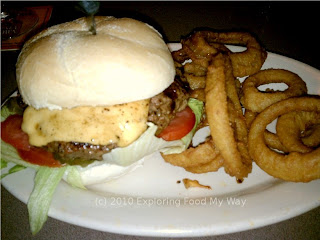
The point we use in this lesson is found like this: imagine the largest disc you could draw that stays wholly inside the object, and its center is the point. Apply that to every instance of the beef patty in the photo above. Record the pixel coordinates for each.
(165, 105)
(162, 109)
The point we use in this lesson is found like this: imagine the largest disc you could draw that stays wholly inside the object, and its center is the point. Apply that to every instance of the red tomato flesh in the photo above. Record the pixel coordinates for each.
(180, 126)
(12, 134)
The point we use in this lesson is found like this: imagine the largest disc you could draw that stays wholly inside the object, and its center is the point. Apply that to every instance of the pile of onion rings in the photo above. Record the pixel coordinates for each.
(238, 113)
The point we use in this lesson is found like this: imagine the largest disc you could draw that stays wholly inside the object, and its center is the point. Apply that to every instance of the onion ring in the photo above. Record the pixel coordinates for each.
(295, 167)
(311, 137)
(289, 128)
(195, 69)
(218, 118)
(212, 166)
(249, 116)
(235, 112)
(198, 49)
(244, 63)
(192, 157)
(202, 45)
(257, 101)
(272, 139)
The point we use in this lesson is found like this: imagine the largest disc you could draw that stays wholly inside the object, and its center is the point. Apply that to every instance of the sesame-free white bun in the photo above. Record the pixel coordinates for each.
(67, 66)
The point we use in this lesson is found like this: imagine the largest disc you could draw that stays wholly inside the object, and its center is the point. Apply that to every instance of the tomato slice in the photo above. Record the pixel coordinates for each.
(12, 134)
(180, 126)
(39, 156)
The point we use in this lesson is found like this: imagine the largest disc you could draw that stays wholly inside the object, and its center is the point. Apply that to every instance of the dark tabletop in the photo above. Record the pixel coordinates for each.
(286, 28)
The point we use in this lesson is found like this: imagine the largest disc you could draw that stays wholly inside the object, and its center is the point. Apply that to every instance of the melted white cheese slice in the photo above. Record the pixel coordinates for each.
(120, 124)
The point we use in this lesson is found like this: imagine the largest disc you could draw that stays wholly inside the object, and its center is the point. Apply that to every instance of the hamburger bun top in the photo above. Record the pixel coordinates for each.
(67, 66)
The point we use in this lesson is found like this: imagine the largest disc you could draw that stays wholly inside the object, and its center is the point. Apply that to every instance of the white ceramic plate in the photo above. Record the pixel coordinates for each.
(150, 201)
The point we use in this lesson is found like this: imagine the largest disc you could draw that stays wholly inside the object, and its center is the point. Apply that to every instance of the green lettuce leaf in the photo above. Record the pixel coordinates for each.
(14, 169)
(10, 107)
(148, 143)
(145, 145)
(197, 108)
(10, 154)
(45, 184)
(73, 177)
(4, 164)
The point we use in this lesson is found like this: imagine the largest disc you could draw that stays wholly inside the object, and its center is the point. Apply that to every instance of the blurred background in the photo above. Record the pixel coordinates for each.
(286, 28)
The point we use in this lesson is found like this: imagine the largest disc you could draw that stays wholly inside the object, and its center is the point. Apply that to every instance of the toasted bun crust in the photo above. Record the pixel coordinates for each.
(67, 66)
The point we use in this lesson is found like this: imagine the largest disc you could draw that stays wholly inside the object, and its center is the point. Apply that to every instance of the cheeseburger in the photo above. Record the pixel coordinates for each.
(91, 95)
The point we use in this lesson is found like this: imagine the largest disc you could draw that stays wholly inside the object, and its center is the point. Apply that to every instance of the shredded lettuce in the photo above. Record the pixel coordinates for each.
(45, 184)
